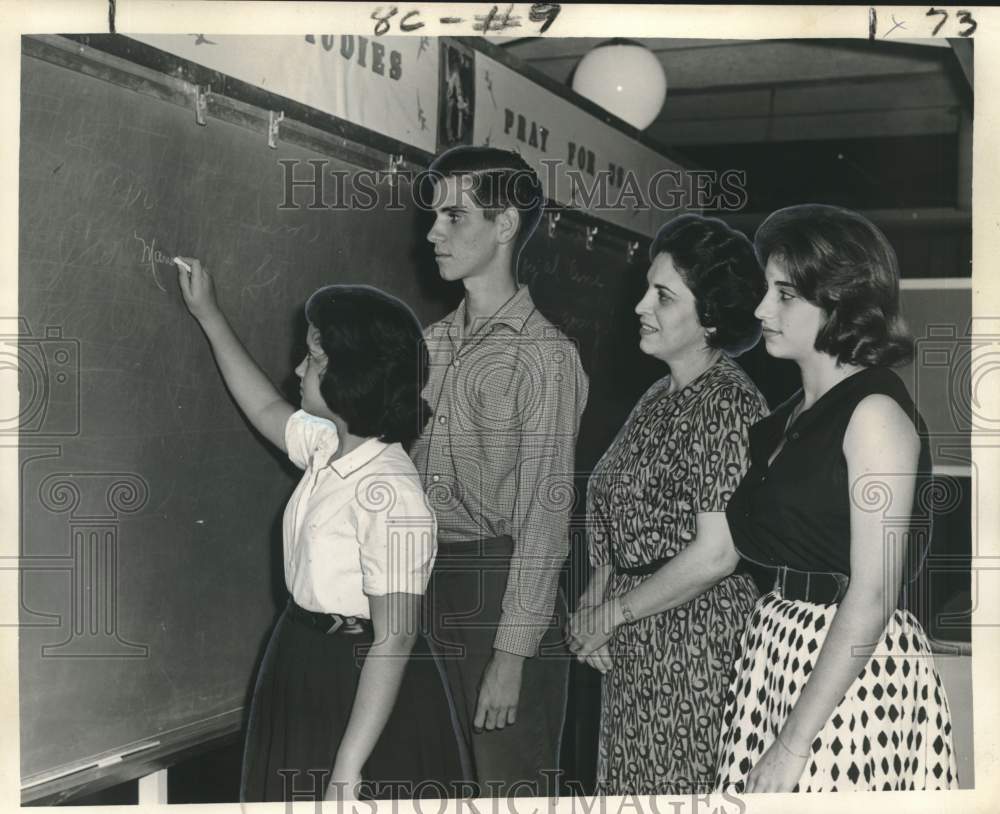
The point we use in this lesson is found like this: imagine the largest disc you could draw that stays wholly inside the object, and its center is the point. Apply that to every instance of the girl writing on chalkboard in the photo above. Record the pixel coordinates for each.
(337, 696)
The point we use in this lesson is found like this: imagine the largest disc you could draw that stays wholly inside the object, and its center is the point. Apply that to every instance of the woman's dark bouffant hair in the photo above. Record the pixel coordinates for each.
(377, 361)
(718, 264)
(842, 263)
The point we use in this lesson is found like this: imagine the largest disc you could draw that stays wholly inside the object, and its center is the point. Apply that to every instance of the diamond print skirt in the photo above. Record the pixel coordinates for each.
(891, 731)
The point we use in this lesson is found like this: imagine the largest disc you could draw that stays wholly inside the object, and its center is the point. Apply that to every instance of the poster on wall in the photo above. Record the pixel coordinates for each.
(583, 162)
(457, 95)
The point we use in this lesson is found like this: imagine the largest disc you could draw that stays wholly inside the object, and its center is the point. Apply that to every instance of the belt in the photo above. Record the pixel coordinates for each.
(329, 623)
(820, 587)
(640, 570)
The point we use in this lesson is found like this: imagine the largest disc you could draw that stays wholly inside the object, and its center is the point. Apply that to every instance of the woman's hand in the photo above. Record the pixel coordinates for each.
(590, 628)
(778, 769)
(600, 659)
(196, 288)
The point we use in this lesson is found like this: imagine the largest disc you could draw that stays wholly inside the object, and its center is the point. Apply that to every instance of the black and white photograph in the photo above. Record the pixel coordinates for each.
(501, 407)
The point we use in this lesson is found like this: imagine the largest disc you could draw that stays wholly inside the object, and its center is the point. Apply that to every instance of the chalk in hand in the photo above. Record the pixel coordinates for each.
(182, 264)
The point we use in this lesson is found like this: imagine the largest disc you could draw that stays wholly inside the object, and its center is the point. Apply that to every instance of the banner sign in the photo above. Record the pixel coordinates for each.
(582, 161)
(388, 84)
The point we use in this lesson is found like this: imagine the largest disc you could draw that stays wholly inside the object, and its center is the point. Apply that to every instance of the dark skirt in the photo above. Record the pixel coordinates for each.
(302, 703)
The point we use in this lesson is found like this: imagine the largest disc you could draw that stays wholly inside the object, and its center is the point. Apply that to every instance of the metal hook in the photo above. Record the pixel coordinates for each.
(201, 103)
(273, 120)
(395, 162)
(553, 220)
(591, 232)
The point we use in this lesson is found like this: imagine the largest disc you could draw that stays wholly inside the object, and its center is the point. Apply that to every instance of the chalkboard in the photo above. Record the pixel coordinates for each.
(150, 512)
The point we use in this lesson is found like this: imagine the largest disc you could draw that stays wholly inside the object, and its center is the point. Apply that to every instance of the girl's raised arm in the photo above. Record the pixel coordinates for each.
(256, 396)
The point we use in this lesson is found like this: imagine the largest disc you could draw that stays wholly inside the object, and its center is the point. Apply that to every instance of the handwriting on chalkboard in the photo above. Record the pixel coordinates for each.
(493, 20)
(151, 256)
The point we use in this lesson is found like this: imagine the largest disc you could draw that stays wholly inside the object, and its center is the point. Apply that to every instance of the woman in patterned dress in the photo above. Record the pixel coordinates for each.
(663, 611)
(836, 687)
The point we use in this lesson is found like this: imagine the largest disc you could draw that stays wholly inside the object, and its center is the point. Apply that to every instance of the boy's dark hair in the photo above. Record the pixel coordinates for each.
(500, 179)
(841, 262)
(718, 264)
(377, 361)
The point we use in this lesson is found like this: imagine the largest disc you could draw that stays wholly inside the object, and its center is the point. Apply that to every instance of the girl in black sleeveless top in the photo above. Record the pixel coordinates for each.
(835, 685)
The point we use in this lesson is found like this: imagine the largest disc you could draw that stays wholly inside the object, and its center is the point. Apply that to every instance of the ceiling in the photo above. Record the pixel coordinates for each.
(753, 91)
(874, 125)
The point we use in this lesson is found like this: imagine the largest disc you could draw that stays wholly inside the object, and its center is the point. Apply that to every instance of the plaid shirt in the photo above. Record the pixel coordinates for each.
(497, 456)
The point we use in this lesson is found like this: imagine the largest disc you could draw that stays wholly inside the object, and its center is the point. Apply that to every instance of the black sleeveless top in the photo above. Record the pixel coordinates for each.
(797, 512)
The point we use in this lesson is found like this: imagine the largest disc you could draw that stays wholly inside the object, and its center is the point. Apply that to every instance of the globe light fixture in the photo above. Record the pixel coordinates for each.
(626, 79)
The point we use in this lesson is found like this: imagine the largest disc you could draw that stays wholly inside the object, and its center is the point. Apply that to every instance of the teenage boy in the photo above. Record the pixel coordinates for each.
(507, 390)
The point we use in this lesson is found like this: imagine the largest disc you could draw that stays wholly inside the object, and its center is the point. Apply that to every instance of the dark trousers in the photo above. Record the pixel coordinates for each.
(465, 597)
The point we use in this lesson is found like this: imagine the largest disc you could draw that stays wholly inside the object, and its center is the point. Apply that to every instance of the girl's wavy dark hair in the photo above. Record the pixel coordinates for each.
(841, 262)
(718, 264)
(377, 361)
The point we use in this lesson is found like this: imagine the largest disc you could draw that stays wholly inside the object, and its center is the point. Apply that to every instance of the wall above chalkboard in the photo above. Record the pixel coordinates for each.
(431, 93)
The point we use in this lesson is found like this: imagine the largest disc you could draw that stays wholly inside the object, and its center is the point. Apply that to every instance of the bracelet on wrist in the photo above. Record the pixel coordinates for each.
(785, 747)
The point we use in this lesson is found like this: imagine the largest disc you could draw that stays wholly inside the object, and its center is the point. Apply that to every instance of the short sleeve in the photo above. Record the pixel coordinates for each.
(306, 434)
(397, 535)
(720, 456)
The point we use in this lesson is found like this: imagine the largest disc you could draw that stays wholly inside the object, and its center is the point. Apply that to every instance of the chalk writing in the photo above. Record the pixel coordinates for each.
(151, 256)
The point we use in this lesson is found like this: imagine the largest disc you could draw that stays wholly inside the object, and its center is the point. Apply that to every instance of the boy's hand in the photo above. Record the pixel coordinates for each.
(196, 288)
(499, 690)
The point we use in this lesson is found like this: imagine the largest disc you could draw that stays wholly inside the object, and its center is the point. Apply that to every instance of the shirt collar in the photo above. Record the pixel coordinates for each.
(359, 458)
(514, 313)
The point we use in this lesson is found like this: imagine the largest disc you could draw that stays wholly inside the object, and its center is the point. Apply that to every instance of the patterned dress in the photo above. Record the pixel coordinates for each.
(677, 455)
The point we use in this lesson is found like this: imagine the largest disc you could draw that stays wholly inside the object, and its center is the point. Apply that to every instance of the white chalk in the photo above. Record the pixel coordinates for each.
(182, 264)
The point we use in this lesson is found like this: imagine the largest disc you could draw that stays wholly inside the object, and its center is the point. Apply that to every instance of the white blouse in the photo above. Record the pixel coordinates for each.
(355, 527)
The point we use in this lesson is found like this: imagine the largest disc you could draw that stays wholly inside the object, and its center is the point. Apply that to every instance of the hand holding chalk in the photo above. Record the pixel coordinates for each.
(196, 288)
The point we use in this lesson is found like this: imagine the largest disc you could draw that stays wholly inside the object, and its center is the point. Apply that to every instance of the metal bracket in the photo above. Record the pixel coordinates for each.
(201, 103)
(631, 249)
(273, 120)
(591, 232)
(395, 162)
(553, 221)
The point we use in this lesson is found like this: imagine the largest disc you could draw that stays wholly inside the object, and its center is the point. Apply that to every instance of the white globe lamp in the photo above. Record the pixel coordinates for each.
(624, 78)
